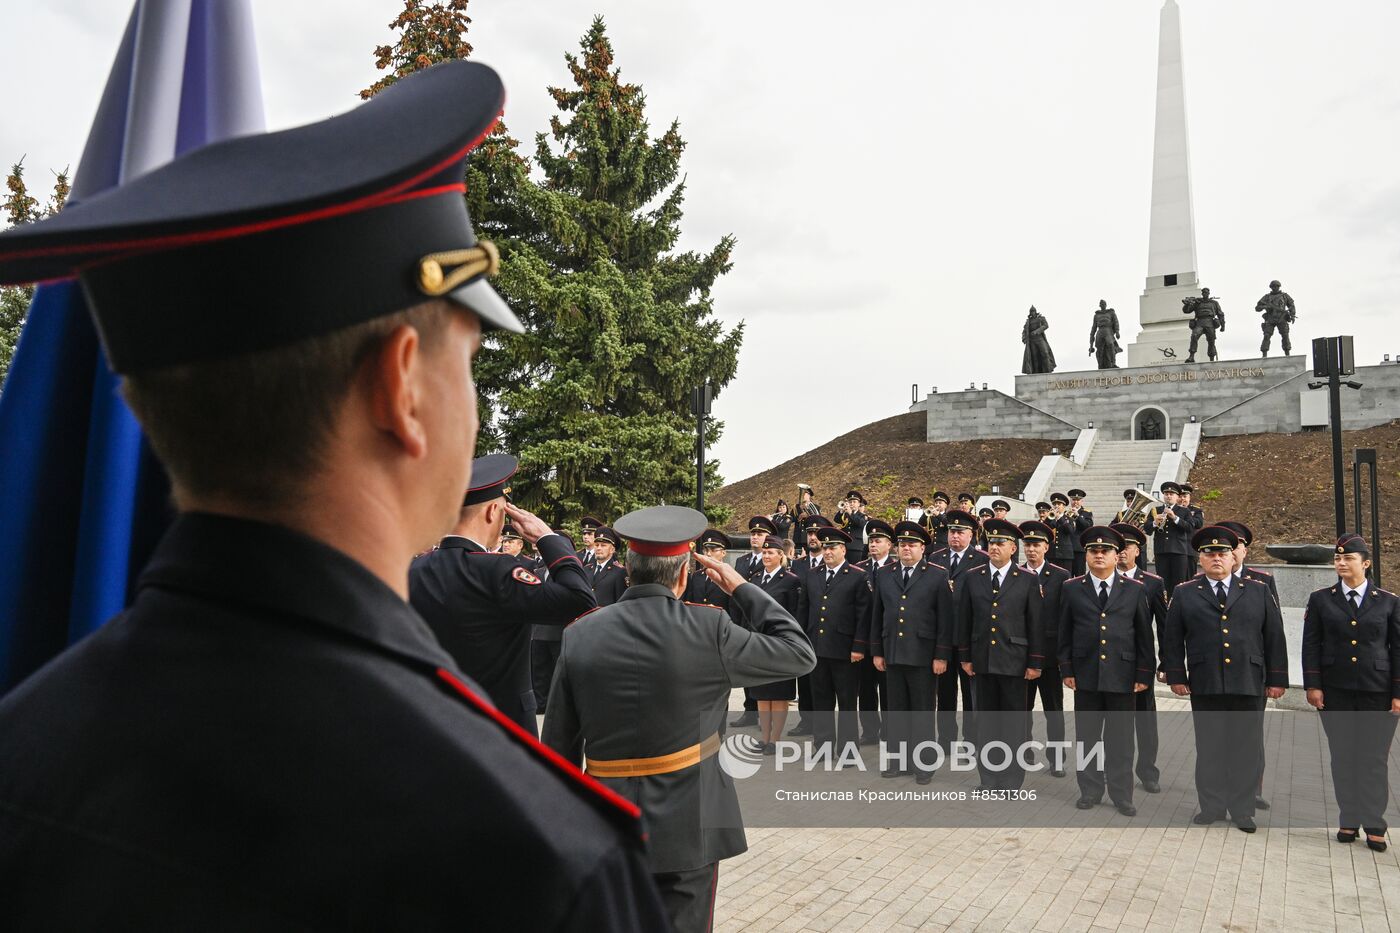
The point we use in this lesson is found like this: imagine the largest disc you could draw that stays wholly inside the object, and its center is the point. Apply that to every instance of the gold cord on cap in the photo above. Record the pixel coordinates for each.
(481, 259)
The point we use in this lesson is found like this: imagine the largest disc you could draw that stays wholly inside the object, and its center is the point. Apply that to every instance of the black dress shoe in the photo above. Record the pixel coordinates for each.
(770, 748)
(1152, 787)
(1057, 772)
(800, 729)
(1126, 809)
(1085, 803)
(1245, 824)
(1375, 845)
(1205, 819)
(747, 719)
(923, 777)
(1260, 803)
(891, 773)
(1346, 835)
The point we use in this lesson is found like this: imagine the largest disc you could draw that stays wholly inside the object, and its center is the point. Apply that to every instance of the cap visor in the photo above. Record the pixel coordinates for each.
(495, 314)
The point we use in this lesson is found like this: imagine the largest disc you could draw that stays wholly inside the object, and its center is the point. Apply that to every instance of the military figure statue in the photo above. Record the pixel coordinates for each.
(1038, 358)
(1208, 318)
(1279, 312)
(1103, 336)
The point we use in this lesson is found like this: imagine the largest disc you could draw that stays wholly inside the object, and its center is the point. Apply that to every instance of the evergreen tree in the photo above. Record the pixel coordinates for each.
(594, 399)
(22, 208)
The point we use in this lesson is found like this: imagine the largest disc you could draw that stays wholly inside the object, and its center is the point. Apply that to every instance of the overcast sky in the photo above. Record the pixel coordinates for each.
(904, 179)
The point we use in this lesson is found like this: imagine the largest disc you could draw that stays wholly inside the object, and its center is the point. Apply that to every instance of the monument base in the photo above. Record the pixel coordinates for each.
(1166, 332)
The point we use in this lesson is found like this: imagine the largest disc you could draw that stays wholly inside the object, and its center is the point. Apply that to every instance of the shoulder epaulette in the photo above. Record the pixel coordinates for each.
(587, 612)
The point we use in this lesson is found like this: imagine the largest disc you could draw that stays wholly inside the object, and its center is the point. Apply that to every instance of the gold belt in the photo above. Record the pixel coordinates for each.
(661, 764)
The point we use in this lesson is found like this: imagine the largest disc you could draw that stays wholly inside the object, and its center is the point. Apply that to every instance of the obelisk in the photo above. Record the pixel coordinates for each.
(1171, 243)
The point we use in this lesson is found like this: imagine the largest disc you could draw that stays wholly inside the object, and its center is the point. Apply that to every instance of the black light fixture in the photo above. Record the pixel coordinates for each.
(996, 490)
(1021, 496)
(1091, 425)
(1054, 451)
(1142, 487)
(1193, 419)
(1175, 446)
(984, 387)
(935, 390)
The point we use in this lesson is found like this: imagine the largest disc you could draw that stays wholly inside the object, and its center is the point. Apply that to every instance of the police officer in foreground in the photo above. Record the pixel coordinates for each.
(270, 738)
(1145, 702)
(1224, 648)
(1106, 656)
(873, 697)
(480, 603)
(1351, 670)
(958, 558)
(833, 606)
(810, 562)
(1035, 540)
(911, 603)
(655, 747)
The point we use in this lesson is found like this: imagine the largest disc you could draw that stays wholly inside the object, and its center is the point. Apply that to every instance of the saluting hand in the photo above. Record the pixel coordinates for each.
(531, 527)
(721, 574)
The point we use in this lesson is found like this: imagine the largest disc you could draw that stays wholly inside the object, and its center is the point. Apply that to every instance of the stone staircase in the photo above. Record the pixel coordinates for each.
(1112, 467)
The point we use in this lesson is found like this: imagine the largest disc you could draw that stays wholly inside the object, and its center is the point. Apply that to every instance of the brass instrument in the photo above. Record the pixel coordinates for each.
(805, 508)
(1136, 512)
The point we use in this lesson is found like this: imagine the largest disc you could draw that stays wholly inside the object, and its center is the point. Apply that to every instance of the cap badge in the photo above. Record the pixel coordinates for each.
(481, 259)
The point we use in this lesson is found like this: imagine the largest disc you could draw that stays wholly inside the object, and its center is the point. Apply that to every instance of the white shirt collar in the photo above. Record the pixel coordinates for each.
(1029, 569)
(1360, 591)
(1227, 581)
(1112, 579)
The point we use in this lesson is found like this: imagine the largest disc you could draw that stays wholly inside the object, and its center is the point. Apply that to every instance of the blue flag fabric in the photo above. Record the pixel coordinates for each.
(83, 500)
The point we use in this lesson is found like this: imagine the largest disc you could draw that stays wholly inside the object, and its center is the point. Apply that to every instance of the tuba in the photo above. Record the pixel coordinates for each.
(810, 508)
(1136, 514)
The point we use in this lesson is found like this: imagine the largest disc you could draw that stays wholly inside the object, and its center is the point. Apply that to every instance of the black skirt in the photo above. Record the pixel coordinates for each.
(777, 690)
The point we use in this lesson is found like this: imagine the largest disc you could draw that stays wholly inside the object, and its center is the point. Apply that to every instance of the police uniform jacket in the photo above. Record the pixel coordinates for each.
(1238, 650)
(609, 581)
(784, 587)
(937, 528)
(748, 564)
(836, 615)
(1352, 650)
(944, 558)
(1002, 633)
(1080, 524)
(480, 605)
(1062, 548)
(1106, 649)
(908, 623)
(700, 589)
(271, 739)
(1264, 577)
(650, 676)
(1175, 536)
(1155, 589)
(1052, 578)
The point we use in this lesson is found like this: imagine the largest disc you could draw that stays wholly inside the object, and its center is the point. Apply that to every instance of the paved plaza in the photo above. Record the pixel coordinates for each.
(1180, 877)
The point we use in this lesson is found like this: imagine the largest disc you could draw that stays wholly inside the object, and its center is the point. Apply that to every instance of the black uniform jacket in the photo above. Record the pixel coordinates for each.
(1108, 649)
(748, 564)
(909, 623)
(784, 587)
(650, 676)
(1264, 577)
(1081, 523)
(700, 589)
(1003, 634)
(1062, 548)
(973, 558)
(1352, 651)
(609, 583)
(480, 605)
(836, 615)
(271, 739)
(1052, 578)
(1236, 650)
(1156, 590)
(1174, 537)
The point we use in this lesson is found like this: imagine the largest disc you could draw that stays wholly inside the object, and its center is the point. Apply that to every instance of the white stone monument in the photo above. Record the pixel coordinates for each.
(1171, 246)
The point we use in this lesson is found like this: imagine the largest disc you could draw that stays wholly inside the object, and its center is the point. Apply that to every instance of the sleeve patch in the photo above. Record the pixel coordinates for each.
(525, 576)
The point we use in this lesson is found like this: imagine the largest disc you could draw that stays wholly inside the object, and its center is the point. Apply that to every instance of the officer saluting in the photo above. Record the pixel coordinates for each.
(270, 735)
(480, 604)
(656, 745)
(1351, 669)
(1231, 631)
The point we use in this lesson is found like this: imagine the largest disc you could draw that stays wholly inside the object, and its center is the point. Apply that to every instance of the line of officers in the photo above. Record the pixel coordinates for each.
(914, 627)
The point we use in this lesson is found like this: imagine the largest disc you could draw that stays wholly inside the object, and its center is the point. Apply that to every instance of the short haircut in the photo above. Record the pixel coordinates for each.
(664, 570)
(254, 428)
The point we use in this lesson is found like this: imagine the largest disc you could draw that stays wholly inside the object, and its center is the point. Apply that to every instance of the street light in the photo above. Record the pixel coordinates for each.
(700, 398)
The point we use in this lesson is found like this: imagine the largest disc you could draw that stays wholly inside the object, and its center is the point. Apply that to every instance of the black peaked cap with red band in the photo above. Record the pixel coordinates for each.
(266, 240)
(661, 530)
(491, 476)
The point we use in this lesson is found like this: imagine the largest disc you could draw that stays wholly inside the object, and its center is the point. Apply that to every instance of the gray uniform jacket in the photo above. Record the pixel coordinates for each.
(650, 675)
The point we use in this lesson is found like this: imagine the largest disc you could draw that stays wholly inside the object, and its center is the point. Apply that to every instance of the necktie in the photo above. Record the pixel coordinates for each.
(996, 580)
(829, 574)
(1351, 598)
(954, 567)
(1103, 593)
(908, 569)
(1220, 592)
(764, 581)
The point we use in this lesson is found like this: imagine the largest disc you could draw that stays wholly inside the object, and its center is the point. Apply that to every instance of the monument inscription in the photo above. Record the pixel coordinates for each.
(1128, 379)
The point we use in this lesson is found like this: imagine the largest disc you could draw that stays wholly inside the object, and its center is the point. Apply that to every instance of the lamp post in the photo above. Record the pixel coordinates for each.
(700, 398)
(1333, 358)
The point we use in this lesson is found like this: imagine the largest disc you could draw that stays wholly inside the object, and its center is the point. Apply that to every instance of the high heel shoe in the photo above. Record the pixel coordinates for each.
(1347, 835)
(1376, 845)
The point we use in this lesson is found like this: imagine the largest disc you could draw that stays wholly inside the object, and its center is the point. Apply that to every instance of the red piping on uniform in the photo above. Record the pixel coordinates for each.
(535, 745)
(648, 549)
(564, 558)
(379, 199)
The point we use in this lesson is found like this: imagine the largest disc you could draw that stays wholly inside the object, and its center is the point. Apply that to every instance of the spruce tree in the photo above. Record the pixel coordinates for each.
(21, 207)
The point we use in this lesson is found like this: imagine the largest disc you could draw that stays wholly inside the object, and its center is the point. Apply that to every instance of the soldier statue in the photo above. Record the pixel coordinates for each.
(1103, 336)
(1279, 312)
(1208, 318)
(1038, 358)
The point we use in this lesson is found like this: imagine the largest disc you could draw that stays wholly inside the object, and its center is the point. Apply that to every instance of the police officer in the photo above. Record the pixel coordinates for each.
(873, 699)
(1145, 702)
(958, 558)
(1035, 541)
(714, 544)
(1171, 526)
(1062, 524)
(608, 577)
(911, 603)
(270, 737)
(657, 746)
(811, 562)
(1231, 631)
(834, 607)
(1351, 670)
(1081, 519)
(1001, 646)
(1106, 656)
(1207, 318)
(586, 527)
(760, 527)
(480, 604)
(1245, 536)
(1198, 514)
(773, 699)
(855, 521)
(1279, 312)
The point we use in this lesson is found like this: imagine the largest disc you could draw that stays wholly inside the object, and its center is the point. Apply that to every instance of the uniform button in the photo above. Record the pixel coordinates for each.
(904, 596)
(901, 634)
(1353, 621)
(994, 605)
(1103, 657)
(1103, 615)
(994, 641)
(1103, 628)
(1103, 641)
(1227, 660)
(994, 615)
(821, 631)
(994, 628)
(1227, 644)
(1353, 660)
(1225, 631)
(1224, 618)
(1353, 641)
